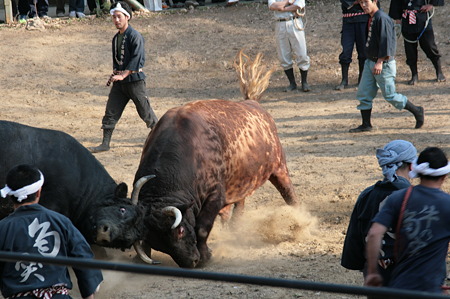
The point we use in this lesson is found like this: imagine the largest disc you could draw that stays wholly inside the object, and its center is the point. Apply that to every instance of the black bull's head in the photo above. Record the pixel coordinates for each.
(122, 223)
(117, 223)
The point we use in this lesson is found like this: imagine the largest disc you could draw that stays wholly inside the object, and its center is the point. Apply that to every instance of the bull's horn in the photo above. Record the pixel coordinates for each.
(137, 187)
(141, 253)
(174, 212)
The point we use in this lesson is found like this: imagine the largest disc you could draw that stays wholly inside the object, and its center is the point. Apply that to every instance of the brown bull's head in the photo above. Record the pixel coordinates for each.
(172, 231)
(169, 229)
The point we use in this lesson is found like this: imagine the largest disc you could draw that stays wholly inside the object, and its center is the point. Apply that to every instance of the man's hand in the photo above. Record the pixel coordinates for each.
(373, 280)
(378, 67)
(121, 75)
(426, 8)
(398, 29)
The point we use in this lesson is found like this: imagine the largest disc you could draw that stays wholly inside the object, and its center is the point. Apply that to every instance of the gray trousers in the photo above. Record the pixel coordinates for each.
(291, 45)
(119, 96)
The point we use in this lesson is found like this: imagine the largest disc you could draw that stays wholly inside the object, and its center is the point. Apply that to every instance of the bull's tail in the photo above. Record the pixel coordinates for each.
(253, 77)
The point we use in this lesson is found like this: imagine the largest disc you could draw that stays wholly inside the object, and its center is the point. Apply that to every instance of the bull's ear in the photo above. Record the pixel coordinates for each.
(121, 191)
(184, 207)
(180, 232)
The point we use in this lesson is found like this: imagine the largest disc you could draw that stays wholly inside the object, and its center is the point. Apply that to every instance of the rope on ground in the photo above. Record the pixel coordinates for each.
(224, 277)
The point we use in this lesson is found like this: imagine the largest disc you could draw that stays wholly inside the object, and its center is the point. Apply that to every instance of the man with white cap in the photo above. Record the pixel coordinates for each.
(420, 218)
(34, 229)
(128, 78)
(395, 160)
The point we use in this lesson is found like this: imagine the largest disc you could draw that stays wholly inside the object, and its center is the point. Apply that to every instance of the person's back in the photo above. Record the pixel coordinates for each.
(425, 235)
(395, 160)
(366, 207)
(33, 229)
(421, 219)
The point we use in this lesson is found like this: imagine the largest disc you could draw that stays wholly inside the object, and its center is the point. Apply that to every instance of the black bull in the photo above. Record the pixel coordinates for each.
(207, 156)
(76, 184)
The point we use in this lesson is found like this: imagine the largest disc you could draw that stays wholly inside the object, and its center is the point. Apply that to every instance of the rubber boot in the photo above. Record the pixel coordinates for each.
(305, 86)
(414, 75)
(361, 63)
(366, 125)
(344, 82)
(418, 112)
(107, 133)
(439, 75)
(292, 85)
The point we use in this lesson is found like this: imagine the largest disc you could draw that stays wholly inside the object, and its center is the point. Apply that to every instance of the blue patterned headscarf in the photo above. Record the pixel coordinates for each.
(392, 156)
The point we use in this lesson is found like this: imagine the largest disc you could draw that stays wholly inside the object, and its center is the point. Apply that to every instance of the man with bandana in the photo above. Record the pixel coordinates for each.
(34, 229)
(417, 28)
(128, 79)
(420, 218)
(380, 69)
(291, 42)
(395, 160)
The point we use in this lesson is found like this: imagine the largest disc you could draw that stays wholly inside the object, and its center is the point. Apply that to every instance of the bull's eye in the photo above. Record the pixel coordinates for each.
(122, 211)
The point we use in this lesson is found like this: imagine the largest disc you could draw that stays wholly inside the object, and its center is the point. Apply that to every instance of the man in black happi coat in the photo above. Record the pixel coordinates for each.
(128, 78)
(417, 28)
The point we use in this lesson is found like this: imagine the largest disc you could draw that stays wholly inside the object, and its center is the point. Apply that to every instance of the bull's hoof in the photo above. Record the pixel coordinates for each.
(205, 257)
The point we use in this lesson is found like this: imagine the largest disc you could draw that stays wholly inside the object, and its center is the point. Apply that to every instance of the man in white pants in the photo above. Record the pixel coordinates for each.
(290, 35)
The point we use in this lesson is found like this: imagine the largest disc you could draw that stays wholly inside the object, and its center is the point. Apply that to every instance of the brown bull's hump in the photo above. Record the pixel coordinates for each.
(250, 150)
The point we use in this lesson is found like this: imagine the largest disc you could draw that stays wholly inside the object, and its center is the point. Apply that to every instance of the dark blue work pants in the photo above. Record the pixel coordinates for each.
(353, 33)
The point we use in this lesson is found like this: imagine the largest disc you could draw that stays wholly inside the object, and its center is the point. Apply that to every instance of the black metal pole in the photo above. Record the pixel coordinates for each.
(236, 278)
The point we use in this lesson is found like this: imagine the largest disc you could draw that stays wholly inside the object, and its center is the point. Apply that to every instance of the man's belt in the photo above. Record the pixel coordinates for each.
(115, 72)
(375, 59)
(353, 14)
(412, 15)
(287, 19)
(43, 293)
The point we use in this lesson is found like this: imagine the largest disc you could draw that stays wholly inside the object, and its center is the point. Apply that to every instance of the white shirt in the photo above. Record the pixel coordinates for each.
(285, 14)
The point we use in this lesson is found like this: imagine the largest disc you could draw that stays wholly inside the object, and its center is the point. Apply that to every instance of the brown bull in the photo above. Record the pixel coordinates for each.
(207, 156)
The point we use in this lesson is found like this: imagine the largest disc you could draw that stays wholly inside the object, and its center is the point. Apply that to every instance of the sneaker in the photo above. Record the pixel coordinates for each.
(72, 14)
(192, 3)
(22, 19)
(231, 2)
(80, 15)
(60, 14)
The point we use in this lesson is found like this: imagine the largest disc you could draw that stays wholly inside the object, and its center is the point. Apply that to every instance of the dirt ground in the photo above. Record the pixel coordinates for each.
(56, 79)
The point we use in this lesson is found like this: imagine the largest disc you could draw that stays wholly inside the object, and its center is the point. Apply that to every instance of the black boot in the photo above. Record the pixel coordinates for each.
(366, 126)
(414, 75)
(292, 85)
(344, 82)
(361, 68)
(305, 86)
(439, 75)
(418, 113)
(107, 133)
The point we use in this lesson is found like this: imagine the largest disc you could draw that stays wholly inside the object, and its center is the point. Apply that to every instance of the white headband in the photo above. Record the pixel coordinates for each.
(119, 8)
(23, 192)
(424, 168)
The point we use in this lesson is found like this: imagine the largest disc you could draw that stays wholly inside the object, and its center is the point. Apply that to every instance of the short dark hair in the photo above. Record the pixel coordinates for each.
(21, 176)
(436, 159)
(124, 6)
